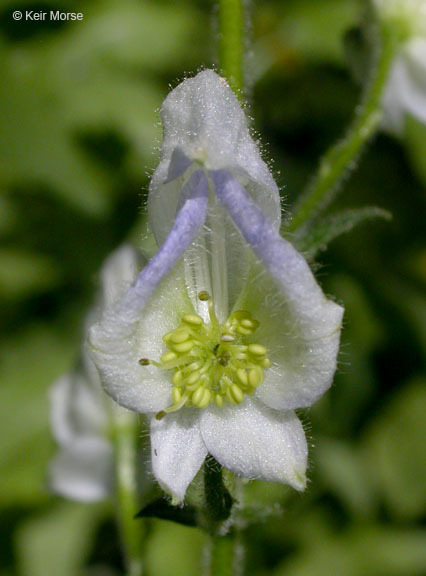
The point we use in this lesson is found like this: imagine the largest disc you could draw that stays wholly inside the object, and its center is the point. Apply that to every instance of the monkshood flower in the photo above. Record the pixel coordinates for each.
(83, 469)
(406, 88)
(225, 331)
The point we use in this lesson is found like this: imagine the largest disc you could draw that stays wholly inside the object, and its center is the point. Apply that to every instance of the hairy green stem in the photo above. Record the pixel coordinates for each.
(219, 552)
(126, 431)
(342, 156)
(231, 42)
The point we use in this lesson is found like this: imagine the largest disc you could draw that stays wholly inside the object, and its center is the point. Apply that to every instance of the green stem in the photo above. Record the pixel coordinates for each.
(126, 431)
(343, 155)
(231, 42)
(220, 548)
(220, 556)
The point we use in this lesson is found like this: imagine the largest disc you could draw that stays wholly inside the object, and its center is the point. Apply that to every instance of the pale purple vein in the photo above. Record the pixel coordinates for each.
(189, 220)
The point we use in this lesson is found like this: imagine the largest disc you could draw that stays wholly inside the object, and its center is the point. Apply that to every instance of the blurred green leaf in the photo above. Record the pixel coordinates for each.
(415, 140)
(7, 215)
(95, 75)
(183, 546)
(303, 30)
(358, 53)
(316, 237)
(394, 447)
(57, 542)
(367, 550)
(23, 273)
(355, 380)
(343, 471)
(28, 365)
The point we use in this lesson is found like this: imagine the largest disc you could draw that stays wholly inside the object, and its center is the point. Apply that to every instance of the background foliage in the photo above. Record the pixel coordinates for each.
(78, 134)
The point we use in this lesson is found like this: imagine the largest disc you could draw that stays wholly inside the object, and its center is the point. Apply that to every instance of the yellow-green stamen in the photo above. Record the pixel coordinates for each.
(212, 362)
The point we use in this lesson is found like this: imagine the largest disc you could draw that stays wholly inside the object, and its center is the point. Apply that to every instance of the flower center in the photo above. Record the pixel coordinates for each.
(212, 362)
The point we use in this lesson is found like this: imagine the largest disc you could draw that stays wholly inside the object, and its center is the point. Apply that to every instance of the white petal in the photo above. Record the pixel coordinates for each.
(117, 344)
(406, 88)
(133, 328)
(78, 408)
(415, 88)
(392, 102)
(302, 351)
(203, 119)
(255, 441)
(298, 325)
(84, 470)
(118, 273)
(177, 450)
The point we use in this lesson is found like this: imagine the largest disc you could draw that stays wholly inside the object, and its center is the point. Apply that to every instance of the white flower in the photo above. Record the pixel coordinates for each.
(406, 88)
(225, 332)
(83, 469)
(405, 91)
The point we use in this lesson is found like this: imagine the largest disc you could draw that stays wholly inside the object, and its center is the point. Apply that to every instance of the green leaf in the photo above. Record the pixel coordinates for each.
(316, 237)
(343, 470)
(358, 53)
(23, 273)
(164, 510)
(28, 366)
(364, 549)
(394, 448)
(174, 549)
(58, 542)
(102, 75)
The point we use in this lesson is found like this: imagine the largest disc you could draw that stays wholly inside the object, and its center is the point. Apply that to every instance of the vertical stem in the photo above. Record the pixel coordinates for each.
(220, 554)
(126, 432)
(218, 503)
(231, 42)
(342, 156)
(239, 546)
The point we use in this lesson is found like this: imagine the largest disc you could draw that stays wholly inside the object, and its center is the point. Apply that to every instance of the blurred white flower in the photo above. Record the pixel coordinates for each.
(81, 412)
(405, 92)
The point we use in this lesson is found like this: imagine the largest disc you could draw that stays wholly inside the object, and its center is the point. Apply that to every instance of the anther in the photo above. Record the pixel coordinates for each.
(244, 331)
(204, 296)
(227, 338)
(257, 349)
(177, 378)
(193, 378)
(144, 362)
(179, 336)
(184, 346)
(168, 357)
(242, 376)
(211, 362)
(198, 396)
(253, 378)
(192, 320)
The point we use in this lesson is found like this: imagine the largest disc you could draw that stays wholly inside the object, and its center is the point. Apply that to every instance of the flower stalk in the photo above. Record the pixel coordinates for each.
(231, 42)
(342, 156)
(125, 437)
(219, 552)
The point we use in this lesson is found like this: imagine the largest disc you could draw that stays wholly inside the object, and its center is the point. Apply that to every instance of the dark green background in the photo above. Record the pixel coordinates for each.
(79, 136)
